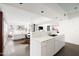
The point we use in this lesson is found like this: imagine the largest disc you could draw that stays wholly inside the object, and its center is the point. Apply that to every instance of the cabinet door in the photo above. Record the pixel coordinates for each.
(43, 51)
(59, 43)
(44, 48)
(53, 46)
(62, 40)
(35, 48)
(50, 47)
(57, 46)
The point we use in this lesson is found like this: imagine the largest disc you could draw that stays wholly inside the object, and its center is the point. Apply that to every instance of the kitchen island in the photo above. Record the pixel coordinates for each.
(46, 45)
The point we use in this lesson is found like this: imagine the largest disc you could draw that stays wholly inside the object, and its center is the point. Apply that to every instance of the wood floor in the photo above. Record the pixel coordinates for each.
(20, 50)
(69, 50)
(22, 41)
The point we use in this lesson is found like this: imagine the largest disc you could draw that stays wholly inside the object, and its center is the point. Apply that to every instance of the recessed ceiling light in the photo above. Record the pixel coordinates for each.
(20, 3)
(75, 7)
(42, 11)
(64, 14)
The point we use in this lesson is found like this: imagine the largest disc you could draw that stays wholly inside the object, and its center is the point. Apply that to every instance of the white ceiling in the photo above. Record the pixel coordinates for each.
(51, 10)
(48, 8)
(69, 7)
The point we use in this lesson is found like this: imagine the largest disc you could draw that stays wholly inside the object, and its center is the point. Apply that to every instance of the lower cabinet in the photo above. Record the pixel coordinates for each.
(48, 47)
(59, 43)
(43, 51)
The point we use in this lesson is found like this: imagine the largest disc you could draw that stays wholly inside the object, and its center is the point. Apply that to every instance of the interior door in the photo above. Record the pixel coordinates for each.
(1, 41)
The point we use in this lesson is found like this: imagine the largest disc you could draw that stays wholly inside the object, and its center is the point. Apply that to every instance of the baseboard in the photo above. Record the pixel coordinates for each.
(72, 43)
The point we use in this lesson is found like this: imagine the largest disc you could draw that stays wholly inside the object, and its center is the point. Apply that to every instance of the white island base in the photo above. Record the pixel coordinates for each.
(46, 46)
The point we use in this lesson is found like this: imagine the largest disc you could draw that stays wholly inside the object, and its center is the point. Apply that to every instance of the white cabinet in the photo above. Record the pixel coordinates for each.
(48, 47)
(35, 48)
(59, 43)
(43, 51)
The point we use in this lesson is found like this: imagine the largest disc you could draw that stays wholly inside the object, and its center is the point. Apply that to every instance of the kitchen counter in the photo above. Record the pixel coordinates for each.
(44, 38)
(45, 45)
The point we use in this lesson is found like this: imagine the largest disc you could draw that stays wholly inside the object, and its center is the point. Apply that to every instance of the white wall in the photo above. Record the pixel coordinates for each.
(70, 28)
(5, 31)
(16, 16)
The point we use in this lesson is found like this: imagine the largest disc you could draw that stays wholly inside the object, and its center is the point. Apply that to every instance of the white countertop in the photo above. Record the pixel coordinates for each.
(44, 38)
